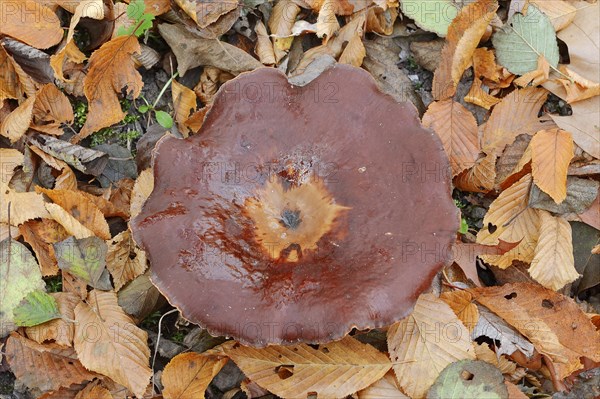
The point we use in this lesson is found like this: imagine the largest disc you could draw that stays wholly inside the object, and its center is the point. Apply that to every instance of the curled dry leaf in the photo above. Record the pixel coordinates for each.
(206, 12)
(480, 177)
(187, 375)
(464, 34)
(536, 77)
(41, 234)
(560, 12)
(264, 47)
(124, 259)
(485, 354)
(31, 22)
(44, 367)
(23, 206)
(327, 23)
(577, 87)
(108, 342)
(142, 188)
(478, 96)
(457, 128)
(336, 369)
(51, 109)
(553, 265)
(539, 314)
(68, 56)
(17, 122)
(551, 153)
(184, 102)
(280, 24)
(14, 82)
(419, 355)
(67, 221)
(62, 330)
(93, 390)
(111, 69)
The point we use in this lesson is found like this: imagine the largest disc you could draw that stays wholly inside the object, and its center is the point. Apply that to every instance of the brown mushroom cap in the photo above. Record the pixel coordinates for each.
(298, 213)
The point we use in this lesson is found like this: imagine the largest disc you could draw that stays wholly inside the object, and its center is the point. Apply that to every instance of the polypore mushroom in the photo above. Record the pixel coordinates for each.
(298, 213)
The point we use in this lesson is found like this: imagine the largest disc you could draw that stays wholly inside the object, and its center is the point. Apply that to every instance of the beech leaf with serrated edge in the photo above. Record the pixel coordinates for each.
(551, 153)
(188, 375)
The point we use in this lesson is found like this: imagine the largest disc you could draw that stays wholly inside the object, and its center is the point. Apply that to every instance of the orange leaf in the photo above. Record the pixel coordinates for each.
(188, 374)
(31, 22)
(51, 109)
(537, 76)
(551, 153)
(14, 82)
(462, 305)
(484, 64)
(464, 33)
(457, 128)
(108, 342)
(481, 177)
(184, 101)
(111, 69)
(41, 234)
(478, 96)
(124, 260)
(17, 122)
(578, 88)
(59, 330)
(95, 391)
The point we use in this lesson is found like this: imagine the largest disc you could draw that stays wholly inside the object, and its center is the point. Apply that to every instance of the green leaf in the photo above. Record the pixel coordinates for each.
(19, 275)
(464, 227)
(36, 308)
(86, 259)
(146, 23)
(135, 10)
(469, 379)
(142, 109)
(523, 39)
(164, 119)
(431, 15)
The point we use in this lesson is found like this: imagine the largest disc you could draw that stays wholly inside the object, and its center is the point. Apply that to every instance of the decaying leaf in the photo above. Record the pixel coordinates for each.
(14, 82)
(553, 265)
(264, 47)
(93, 390)
(187, 375)
(539, 314)
(464, 34)
(577, 87)
(327, 23)
(51, 109)
(457, 128)
(140, 297)
(336, 369)
(206, 12)
(17, 122)
(280, 24)
(420, 356)
(68, 222)
(61, 330)
(34, 23)
(142, 189)
(478, 96)
(45, 367)
(36, 308)
(124, 259)
(108, 342)
(581, 193)
(505, 365)
(184, 102)
(84, 258)
(111, 69)
(469, 379)
(551, 153)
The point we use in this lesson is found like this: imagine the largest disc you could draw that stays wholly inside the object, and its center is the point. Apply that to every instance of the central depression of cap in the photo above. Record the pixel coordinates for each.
(298, 213)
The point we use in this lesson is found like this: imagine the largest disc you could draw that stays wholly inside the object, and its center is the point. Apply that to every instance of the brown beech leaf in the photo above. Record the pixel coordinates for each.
(327, 23)
(142, 189)
(17, 122)
(23, 206)
(206, 12)
(465, 256)
(537, 76)
(480, 177)
(553, 265)
(124, 260)
(577, 87)
(478, 96)
(188, 374)
(51, 109)
(462, 304)
(457, 128)
(111, 69)
(464, 33)
(280, 24)
(67, 55)
(516, 114)
(539, 314)
(184, 102)
(41, 234)
(560, 12)
(81, 208)
(335, 369)
(108, 342)
(484, 64)
(264, 46)
(425, 342)
(95, 391)
(551, 153)
(67, 221)
(11, 159)
(45, 367)
(385, 388)
(31, 22)
(505, 365)
(14, 82)
(61, 331)
(354, 53)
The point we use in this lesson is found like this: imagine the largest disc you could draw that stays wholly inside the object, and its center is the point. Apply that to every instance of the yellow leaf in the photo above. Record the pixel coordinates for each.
(551, 153)
(124, 260)
(31, 22)
(95, 391)
(385, 388)
(64, 218)
(484, 353)
(464, 33)
(560, 13)
(354, 53)
(23, 206)
(462, 305)
(17, 122)
(327, 23)
(184, 102)
(108, 342)
(425, 342)
(516, 114)
(481, 177)
(333, 370)
(578, 88)
(457, 128)
(111, 69)
(142, 189)
(11, 158)
(188, 374)
(553, 265)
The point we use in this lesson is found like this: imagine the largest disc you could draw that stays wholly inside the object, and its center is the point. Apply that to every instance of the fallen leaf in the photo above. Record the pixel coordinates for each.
(484, 64)
(468, 379)
(68, 55)
(536, 77)
(23, 206)
(480, 177)
(281, 22)
(560, 12)
(51, 109)
(108, 342)
(206, 12)
(335, 369)
(142, 189)
(511, 161)
(428, 54)
(592, 215)
(514, 392)
(551, 153)
(425, 342)
(457, 128)
(124, 260)
(11, 159)
(462, 305)
(523, 39)
(84, 258)
(60, 330)
(516, 114)
(577, 87)
(192, 51)
(539, 314)
(32, 23)
(140, 297)
(36, 308)
(464, 33)
(188, 374)
(553, 265)
(354, 52)
(68, 222)
(264, 47)
(505, 365)
(17, 122)
(184, 102)
(581, 193)
(14, 82)
(44, 367)
(81, 208)
(478, 96)
(94, 391)
(465, 256)
(327, 23)
(385, 388)
(437, 21)
(584, 125)
(111, 69)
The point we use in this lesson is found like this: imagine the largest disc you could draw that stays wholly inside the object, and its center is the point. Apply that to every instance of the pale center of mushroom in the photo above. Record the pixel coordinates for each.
(290, 222)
